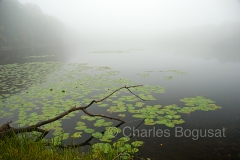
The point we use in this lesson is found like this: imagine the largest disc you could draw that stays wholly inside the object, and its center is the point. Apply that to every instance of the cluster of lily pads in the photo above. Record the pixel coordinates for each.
(170, 114)
(15, 77)
(31, 94)
(110, 51)
(39, 56)
(145, 75)
(120, 145)
(38, 91)
(176, 71)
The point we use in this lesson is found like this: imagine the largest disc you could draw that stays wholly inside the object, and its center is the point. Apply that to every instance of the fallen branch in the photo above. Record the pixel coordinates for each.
(7, 130)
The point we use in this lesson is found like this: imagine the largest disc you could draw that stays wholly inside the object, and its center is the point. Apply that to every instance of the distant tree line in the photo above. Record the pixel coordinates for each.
(26, 26)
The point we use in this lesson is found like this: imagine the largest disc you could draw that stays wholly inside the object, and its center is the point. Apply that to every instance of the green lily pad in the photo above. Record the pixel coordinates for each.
(97, 135)
(91, 118)
(82, 127)
(163, 121)
(104, 147)
(124, 139)
(180, 121)
(149, 122)
(100, 121)
(112, 131)
(106, 124)
(160, 112)
(176, 116)
(137, 143)
(88, 130)
(76, 135)
(187, 110)
(133, 111)
(168, 117)
(140, 116)
(139, 104)
(122, 115)
(169, 124)
(118, 144)
(81, 123)
(157, 106)
(84, 117)
(64, 136)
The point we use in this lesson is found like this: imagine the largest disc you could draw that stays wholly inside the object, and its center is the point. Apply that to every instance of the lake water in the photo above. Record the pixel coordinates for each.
(212, 78)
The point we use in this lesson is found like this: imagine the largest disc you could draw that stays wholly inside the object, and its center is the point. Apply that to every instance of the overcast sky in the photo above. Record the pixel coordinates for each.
(139, 15)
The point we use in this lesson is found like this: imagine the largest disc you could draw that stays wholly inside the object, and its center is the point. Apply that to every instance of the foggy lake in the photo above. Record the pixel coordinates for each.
(183, 56)
(212, 78)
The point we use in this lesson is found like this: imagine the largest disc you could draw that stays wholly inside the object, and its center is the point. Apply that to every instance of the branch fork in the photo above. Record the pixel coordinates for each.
(7, 130)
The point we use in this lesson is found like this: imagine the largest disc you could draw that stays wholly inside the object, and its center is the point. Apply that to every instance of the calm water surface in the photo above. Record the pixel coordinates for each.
(210, 78)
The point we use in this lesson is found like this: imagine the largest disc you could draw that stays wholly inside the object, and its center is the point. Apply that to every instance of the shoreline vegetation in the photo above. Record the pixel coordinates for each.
(24, 147)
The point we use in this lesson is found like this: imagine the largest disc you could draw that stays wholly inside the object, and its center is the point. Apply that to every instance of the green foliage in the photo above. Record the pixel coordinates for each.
(101, 122)
(30, 92)
(76, 135)
(97, 135)
(154, 114)
(121, 145)
(198, 103)
(24, 147)
(75, 89)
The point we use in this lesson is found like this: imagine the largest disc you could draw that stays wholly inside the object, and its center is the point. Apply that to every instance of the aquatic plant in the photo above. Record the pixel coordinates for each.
(41, 99)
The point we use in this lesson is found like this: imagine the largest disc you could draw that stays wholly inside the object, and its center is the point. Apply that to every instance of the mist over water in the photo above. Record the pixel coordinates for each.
(201, 38)
(206, 29)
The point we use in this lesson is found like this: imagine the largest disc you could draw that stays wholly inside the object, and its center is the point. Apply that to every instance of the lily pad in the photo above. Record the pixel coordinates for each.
(176, 116)
(163, 121)
(137, 143)
(149, 122)
(76, 135)
(124, 139)
(97, 135)
(88, 130)
(81, 127)
(180, 121)
(171, 125)
(122, 115)
(104, 147)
